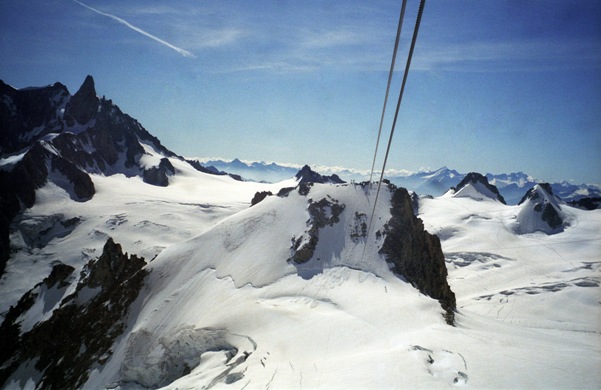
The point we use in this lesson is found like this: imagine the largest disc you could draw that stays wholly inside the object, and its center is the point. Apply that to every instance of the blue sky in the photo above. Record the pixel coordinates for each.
(495, 86)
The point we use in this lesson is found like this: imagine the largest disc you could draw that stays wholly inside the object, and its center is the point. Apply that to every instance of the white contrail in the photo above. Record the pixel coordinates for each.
(181, 51)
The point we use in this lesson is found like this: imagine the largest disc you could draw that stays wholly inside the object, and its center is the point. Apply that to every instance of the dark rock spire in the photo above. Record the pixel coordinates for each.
(84, 104)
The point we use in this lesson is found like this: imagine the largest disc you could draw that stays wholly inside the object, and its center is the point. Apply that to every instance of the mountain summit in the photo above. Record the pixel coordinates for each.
(49, 135)
(541, 211)
(83, 105)
(476, 186)
(307, 175)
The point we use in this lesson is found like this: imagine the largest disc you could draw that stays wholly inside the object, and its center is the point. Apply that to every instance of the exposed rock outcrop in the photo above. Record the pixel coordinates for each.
(29, 114)
(416, 254)
(322, 213)
(159, 175)
(82, 327)
(259, 196)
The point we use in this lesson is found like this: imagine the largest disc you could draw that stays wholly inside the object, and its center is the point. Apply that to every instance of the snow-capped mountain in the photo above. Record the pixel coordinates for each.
(49, 135)
(437, 182)
(541, 211)
(569, 192)
(477, 187)
(186, 285)
(256, 171)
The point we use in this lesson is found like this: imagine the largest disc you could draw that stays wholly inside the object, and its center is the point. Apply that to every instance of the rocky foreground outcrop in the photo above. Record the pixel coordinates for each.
(80, 327)
(416, 254)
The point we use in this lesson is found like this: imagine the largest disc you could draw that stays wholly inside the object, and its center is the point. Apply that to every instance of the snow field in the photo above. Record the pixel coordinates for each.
(144, 219)
(223, 308)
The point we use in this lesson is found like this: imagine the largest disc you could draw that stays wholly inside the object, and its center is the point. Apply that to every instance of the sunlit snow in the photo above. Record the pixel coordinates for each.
(223, 308)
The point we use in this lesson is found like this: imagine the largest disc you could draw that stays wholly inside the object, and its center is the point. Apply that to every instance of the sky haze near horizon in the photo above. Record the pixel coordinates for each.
(498, 86)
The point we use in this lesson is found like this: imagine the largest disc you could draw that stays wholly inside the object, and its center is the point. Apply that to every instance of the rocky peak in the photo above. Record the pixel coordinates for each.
(84, 104)
(474, 183)
(112, 267)
(307, 175)
(540, 211)
(589, 203)
(539, 191)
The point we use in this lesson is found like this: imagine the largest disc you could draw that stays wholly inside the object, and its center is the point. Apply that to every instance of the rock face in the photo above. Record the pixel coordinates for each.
(307, 175)
(540, 211)
(28, 113)
(83, 105)
(476, 186)
(82, 326)
(417, 255)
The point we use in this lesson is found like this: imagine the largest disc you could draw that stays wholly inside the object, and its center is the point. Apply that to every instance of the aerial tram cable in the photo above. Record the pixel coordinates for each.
(396, 114)
(396, 46)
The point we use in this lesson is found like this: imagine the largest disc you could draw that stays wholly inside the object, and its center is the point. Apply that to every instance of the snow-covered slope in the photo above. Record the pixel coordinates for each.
(239, 289)
(144, 218)
(229, 308)
(524, 294)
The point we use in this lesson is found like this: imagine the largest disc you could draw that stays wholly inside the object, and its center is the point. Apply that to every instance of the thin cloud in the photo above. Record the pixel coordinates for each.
(207, 38)
(181, 51)
(532, 55)
(329, 39)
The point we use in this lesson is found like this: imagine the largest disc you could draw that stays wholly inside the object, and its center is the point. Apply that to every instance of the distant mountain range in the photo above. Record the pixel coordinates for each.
(255, 171)
(512, 186)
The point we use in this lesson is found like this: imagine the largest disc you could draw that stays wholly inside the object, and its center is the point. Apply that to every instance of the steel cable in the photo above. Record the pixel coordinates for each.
(396, 114)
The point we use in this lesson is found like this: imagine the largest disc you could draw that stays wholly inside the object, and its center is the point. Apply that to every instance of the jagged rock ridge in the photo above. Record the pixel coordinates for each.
(81, 328)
